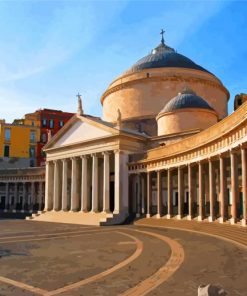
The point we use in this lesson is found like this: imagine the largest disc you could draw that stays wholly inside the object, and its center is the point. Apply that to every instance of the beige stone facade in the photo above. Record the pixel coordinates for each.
(186, 161)
(22, 190)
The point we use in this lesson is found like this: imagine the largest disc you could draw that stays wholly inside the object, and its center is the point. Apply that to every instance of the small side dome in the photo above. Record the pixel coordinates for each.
(186, 99)
(185, 112)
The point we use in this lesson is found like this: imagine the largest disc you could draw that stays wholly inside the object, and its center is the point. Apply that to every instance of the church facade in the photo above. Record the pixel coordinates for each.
(165, 147)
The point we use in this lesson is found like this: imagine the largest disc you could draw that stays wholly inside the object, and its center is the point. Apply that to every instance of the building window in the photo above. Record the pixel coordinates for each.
(31, 162)
(6, 150)
(44, 122)
(33, 123)
(32, 136)
(61, 123)
(32, 152)
(51, 123)
(7, 133)
(43, 138)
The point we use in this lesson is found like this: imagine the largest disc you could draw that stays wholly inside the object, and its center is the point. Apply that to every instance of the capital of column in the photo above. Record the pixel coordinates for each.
(84, 156)
(94, 155)
(64, 160)
(106, 153)
(118, 151)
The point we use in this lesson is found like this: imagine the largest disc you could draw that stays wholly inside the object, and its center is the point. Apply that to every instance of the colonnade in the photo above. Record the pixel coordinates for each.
(86, 183)
(21, 196)
(214, 188)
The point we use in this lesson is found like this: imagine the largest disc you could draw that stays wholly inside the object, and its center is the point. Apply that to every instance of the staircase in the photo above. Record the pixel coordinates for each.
(235, 233)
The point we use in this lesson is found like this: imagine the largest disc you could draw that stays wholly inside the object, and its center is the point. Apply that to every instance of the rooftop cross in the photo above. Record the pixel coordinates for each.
(162, 34)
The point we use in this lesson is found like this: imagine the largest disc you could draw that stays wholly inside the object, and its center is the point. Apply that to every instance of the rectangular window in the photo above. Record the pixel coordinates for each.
(6, 150)
(32, 136)
(7, 133)
(51, 123)
(44, 122)
(61, 123)
(33, 123)
(32, 152)
(43, 138)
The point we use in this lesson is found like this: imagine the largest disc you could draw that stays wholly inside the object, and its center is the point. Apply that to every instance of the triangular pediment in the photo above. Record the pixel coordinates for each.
(79, 130)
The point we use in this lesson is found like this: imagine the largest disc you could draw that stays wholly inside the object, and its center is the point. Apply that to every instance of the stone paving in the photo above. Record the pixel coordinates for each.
(39, 258)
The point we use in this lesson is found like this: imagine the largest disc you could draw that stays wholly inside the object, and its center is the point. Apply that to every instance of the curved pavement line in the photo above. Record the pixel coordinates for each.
(165, 272)
(22, 286)
(136, 254)
(68, 235)
(43, 234)
(196, 231)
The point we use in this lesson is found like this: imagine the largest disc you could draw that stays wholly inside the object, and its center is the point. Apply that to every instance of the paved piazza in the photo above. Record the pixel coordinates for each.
(40, 258)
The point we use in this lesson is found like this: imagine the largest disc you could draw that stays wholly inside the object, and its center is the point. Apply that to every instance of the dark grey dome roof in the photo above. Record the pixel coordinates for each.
(186, 99)
(164, 56)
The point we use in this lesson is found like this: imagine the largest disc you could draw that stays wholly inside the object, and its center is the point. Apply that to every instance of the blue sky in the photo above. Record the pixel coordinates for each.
(50, 50)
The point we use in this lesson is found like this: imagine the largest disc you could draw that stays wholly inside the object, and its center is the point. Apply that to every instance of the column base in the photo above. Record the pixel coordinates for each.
(210, 219)
(138, 215)
(13, 211)
(233, 221)
(168, 216)
(222, 220)
(199, 218)
(157, 216)
(148, 216)
(5, 210)
(189, 217)
(22, 211)
(179, 217)
(244, 222)
(94, 212)
(115, 213)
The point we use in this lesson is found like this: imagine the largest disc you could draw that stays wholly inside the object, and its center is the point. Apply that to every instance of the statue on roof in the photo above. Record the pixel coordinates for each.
(79, 109)
(119, 118)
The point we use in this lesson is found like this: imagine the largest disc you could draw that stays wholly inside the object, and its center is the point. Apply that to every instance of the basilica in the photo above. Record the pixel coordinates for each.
(164, 148)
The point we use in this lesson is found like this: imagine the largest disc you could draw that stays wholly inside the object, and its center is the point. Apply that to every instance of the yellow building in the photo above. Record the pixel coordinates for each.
(18, 143)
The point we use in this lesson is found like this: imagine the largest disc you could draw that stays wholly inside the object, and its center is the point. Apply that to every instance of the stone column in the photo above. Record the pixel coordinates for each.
(56, 200)
(158, 194)
(32, 197)
(149, 193)
(24, 196)
(244, 185)
(106, 184)
(180, 193)
(74, 186)
(48, 185)
(190, 190)
(234, 186)
(6, 197)
(84, 184)
(138, 199)
(40, 195)
(201, 192)
(142, 194)
(15, 197)
(65, 185)
(211, 190)
(95, 184)
(222, 189)
(121, 200)
(169, 194)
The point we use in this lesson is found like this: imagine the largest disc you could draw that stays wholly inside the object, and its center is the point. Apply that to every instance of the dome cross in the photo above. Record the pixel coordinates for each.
(162, 38)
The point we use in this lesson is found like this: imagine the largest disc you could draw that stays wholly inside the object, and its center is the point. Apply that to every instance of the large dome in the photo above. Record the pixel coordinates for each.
(142, 91)
(164, 56)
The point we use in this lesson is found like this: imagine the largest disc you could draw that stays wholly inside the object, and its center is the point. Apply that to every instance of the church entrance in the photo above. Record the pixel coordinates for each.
(2, 202)
(112, 196)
